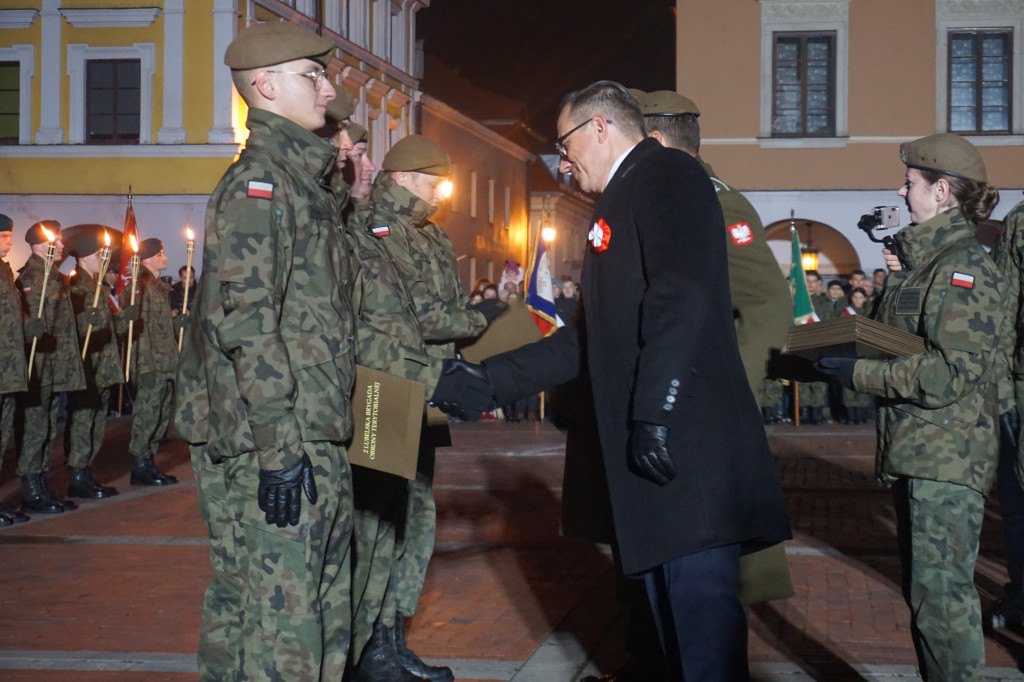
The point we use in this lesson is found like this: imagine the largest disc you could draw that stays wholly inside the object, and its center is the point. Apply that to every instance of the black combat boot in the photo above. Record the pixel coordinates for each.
(36, 498)
(411, 662)
(379, 662)
(10, 516)
(144, 472)
(68, 505)
(82, 484)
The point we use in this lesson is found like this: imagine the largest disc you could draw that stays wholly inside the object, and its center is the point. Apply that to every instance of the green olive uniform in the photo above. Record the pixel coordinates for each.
(13, 363)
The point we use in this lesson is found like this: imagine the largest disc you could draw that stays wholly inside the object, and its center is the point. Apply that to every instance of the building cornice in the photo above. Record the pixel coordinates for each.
(17, 18)
(127, 17)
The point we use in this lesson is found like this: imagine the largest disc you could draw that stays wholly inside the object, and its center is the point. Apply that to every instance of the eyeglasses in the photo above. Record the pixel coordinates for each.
(318, 77)
(560, 142)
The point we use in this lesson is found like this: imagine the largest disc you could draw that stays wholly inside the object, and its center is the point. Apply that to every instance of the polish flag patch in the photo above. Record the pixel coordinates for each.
(27, 290)
(381, 231)
(260, 190)
(741, 234)
(848, 310)
(962, 280)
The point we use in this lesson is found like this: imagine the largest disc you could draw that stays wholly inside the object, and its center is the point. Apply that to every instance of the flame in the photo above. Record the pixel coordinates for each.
(446, 188)
(189, 234)
(50, 236)
(72, 273)
(106, 238)
(135, 244)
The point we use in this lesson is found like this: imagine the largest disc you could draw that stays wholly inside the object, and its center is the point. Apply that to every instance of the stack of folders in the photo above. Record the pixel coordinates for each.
(851, 336)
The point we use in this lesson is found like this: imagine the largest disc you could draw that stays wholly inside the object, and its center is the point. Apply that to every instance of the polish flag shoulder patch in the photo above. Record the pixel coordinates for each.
(849, 311)
(27, 290)
(260, 190)
(961, 279)
(741, 234)
(381, 231)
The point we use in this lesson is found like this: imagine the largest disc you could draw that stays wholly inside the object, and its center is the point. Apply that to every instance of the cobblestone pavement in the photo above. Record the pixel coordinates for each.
(113, 591)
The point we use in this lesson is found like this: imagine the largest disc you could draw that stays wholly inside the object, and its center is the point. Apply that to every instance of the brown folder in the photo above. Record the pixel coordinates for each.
(851, 336)
(513, 328)
(387, 412)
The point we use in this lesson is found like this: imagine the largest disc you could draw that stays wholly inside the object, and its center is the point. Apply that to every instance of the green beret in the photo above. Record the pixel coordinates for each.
(150, 247)
(87, 239)
(417, 153)
(276, 42)
(342, 106)
(35, 233)
(6, 224)
(665, 103)
(945, 153)
(356, 133)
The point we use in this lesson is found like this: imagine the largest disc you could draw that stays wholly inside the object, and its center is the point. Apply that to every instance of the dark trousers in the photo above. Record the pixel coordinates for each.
(700, 621)
(1011, 502)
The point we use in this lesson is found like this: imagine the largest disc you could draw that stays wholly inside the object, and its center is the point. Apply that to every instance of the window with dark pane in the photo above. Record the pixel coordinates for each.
(980, 81)
(804, 85)
(9, 98)
(112, 101)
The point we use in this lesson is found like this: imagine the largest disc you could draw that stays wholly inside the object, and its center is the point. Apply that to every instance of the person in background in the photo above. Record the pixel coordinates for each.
(177, 295)
(13, 364)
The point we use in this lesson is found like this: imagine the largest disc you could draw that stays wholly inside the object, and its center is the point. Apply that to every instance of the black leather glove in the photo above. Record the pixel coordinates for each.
(94, 316)
(129, 313)
(1009, 428)
(180, 322)
(648, 452)
(279, 492)
(464, 390)
(840, 369)
(35, 327)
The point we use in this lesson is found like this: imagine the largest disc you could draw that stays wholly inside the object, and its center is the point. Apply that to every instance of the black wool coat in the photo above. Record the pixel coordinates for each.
(655, 330)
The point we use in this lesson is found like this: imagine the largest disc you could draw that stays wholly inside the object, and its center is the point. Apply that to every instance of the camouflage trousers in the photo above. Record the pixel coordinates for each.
(813, 394)
(278, 607)
(87, 421)
(8, 406)
(939, 526)
(770, 393)
(38, 428)
(380, 506)
(151, 414)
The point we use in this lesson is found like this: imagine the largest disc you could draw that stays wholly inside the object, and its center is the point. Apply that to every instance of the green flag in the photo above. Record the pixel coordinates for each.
(803, 310)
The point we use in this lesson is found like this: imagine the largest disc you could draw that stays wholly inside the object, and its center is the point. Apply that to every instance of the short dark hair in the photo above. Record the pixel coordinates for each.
(878, 270)
(610, 99)
(681, 131)
(813, 273)
(183, 268)
(858, 272)
(834, 283)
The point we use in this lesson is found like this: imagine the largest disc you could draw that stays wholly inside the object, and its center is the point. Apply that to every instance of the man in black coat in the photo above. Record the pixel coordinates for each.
(691, 481)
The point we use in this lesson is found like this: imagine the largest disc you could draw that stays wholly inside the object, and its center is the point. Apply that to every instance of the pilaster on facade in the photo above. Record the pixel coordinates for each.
(224, 29)
(173, 130)
(50, 130)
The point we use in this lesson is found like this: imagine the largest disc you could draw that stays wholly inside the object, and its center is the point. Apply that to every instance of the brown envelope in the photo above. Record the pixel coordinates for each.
(513, 328)
(387, 412)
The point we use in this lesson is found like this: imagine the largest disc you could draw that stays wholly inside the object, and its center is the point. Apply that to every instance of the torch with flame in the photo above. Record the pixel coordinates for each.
(190, 250)
(51, 255)
(131, 301)
(104, 262)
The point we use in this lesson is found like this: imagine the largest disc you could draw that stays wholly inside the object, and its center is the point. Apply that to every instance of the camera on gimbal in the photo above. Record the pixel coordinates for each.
(881, 217)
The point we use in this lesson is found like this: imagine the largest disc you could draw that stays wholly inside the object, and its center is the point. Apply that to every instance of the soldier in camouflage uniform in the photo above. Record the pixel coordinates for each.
(57, 367)
(87, 409)
(154, 362)
(403, 198)
(814, 394)
(265, 379)
(13, 364)
(938, 411)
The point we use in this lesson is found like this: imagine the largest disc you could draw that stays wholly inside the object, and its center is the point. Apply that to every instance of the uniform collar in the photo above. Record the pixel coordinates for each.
(387, 195)
(283, 137)
(920, 240)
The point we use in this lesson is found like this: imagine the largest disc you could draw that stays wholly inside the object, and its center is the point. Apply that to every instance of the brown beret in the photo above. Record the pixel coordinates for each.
(150, 247)
(35, 234)
(342, 106)
(356, 133)
(276, 42)
(945, 153)
(6, 224)
(86, 239)
(665, 103)
(417, 153)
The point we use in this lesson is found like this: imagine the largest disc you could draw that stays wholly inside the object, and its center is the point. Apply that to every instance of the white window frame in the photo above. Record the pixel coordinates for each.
(25, 56)
(797, 16)
(79, 54)
(966, 15)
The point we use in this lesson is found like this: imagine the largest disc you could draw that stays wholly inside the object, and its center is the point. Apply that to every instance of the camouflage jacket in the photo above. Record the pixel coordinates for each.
(102, 361)
(13, 362)
(1009, 256)
(266, 363)
(58, 359)
(761, 303)
(388, 335)
(154, 343)
(426, 261)
(938, 410)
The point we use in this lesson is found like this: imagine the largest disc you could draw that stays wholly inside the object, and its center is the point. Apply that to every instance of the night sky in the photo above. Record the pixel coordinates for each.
(535, 51)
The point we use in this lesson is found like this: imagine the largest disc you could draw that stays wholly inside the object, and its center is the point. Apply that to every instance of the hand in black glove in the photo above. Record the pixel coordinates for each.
(35, 327)
(840, 369)
(94, 316)
(464, 390)
(648, 453)
(180, 322)
(129, 313)
(1009, 428)
(279, 492)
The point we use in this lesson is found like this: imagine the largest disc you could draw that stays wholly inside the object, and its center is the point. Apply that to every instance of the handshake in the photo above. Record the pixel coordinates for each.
(464, 390)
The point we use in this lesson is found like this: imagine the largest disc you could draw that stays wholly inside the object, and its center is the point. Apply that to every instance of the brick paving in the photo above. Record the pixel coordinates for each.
(113, 590)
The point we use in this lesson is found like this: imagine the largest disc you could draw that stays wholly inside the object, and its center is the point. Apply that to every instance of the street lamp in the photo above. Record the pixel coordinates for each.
(809, 254)
(547, 233)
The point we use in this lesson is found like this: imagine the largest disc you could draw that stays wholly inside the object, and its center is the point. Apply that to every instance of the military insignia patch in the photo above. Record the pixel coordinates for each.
(381, 231)
(599, 236)
(961, 279)
(741, 234)
(260, 190)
